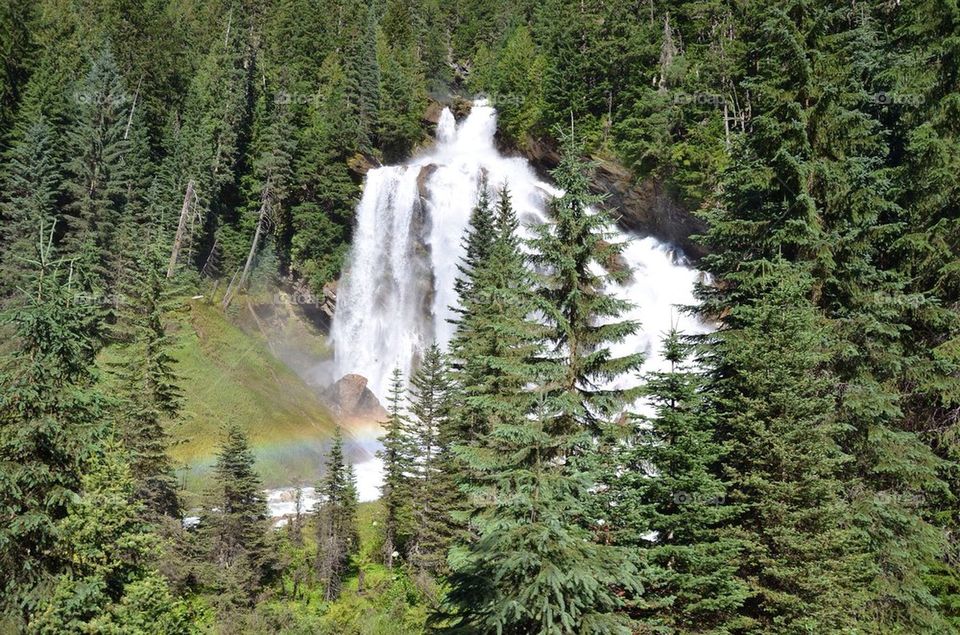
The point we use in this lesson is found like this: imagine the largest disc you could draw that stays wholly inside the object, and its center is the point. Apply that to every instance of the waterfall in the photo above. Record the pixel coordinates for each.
(395, 297)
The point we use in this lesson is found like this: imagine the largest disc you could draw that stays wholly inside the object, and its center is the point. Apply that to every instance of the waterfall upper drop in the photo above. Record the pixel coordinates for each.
(398, 289)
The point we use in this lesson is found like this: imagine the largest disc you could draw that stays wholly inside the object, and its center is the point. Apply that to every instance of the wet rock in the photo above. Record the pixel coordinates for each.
(432, 114)
(350, 397)
(360, 163)
(647, 207)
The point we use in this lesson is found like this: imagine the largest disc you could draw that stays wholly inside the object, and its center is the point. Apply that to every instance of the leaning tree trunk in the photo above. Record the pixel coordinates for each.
(261, 220)
(181, 229)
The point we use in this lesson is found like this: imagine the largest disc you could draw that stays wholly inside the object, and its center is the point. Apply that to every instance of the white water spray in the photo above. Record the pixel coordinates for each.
(396, 297)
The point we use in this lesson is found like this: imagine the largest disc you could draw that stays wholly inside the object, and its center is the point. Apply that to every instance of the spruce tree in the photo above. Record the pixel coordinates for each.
(234, 524)
(336, 512)
(149, 396)
(494, 348)
(800, 556)
(398, 458)
(110, 585)
(436, 491)
(477, 241)
(533, 566)
(96, 173)
(31, 178)
(579, 260)
(51, 421)
(668, 498)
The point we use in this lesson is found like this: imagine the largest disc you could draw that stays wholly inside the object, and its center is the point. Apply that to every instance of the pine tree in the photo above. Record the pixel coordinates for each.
(337, 538)
(580, 260)
(51, 420)
(31, 179)
(402, 95)
(109, 585)
(533, 566)
(669, 500)
(149, 396)
(397, 455)
(437, 496)
(96, 173)
(234, 525)
(477, 241)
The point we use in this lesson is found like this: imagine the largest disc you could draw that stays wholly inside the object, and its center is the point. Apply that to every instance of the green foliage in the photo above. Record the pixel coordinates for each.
(665, 498)
(51, 420)
(337, 537)
(31, 178)
(108, 586)
(398, 455)
(402, 98)
(233, 527)
(435, 486)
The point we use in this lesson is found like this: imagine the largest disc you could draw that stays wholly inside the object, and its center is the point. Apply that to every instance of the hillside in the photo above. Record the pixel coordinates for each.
(230, 376)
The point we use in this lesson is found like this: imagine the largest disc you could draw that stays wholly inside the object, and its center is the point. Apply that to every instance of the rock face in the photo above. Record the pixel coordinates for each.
(328, 304)
(645, 207)
(350, 397)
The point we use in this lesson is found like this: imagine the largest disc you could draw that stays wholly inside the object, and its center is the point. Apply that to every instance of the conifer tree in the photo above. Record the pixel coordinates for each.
(96, 173)
(800, 557)
(579, 259)
(149, 396)
(437, 496)
(533, 566)
(31, 178)
(337, 538)
(495, 347)
(51, 421)
(477, 241)
(234, 525)
(110, 585)
(397, 455)
(402, 95)
(669, 500)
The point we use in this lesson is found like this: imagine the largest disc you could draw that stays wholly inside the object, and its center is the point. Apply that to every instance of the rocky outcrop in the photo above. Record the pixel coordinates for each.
(360, 163)
(327, 305)
(350, 397)
(647, 207)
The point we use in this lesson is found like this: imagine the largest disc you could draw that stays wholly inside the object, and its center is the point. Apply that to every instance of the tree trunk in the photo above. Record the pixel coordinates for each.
(261, 219)
(181, 229)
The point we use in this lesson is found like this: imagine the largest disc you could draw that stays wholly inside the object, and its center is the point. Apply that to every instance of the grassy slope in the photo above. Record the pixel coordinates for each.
(229, 376)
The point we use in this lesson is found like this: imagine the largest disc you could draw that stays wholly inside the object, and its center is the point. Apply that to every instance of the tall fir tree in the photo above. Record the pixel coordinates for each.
(31, 179)
(336, 512)
(437, 496)
(96, 180)
(533, 566)
(110, 584)
(668, 499)
(234, 524)
(398, 456)
(149, 396)
(52, 418)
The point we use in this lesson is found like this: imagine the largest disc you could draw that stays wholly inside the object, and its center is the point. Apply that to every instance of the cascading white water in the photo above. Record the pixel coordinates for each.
(396, 298)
